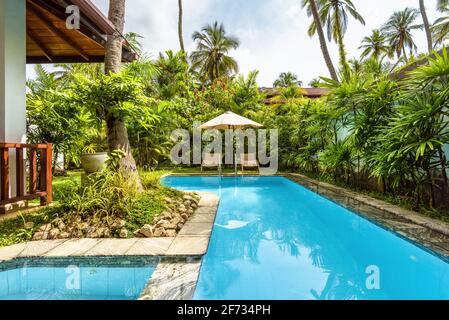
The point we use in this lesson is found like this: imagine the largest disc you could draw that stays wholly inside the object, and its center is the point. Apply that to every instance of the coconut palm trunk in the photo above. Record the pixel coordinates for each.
(116, 128)
(181, 38)
(341, 45)
(322, 38)
(427, 26)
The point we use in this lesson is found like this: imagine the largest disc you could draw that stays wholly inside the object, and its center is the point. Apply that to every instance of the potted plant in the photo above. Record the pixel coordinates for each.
(95, 154)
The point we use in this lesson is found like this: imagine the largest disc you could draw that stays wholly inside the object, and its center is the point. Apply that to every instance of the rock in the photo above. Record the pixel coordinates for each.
(169, 226)
(161, 222)
(91, 230)
(147, 231)
(29, 225)
(187, 203)
(38, 236)
(188, 197)
(83, 226)
(64, 235)
(179, 226)
(54, 233)
(184, 216)
(166, 215)
(123, 233)
(118, 224)
(137, 234)
(46, 227)
(103, 232)
(93, 235)
(61, 225)
(194, 205)
(107, 233)
(160, 232)
(176, 220)
(182, 208)
(170, 233)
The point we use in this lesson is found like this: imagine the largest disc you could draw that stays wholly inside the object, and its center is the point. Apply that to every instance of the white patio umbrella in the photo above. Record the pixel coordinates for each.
(230, 120)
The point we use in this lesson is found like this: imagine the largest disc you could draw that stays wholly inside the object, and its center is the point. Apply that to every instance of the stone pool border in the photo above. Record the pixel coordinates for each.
(428, 233)
(177, 272)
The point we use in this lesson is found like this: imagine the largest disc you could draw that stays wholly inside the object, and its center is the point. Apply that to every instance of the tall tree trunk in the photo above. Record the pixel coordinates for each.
(116, 129)
(323, 44)
(181, 38)
(431, 187)
(425, 19)
(404, 52)
(341, 46)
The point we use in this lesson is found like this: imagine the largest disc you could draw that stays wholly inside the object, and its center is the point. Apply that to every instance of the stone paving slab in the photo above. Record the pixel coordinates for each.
(206, 210)
(173, 281)
(189, 246)
(150, 247)
(39, 248)
(196, 229)
(111, 247)
(208, 200)
(209, 218)
(73, 248)
(11, 252)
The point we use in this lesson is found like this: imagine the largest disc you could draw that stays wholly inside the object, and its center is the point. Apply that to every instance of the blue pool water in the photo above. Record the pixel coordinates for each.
(73, 280)
(274, 239)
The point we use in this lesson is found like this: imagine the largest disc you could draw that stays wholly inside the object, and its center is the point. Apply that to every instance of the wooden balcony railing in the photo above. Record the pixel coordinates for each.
(39, 173)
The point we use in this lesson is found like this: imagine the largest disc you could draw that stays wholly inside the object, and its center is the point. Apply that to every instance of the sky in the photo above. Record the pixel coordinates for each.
(273, 33)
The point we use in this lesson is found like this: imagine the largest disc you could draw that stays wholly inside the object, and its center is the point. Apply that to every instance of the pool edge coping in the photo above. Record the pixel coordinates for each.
(85, 247)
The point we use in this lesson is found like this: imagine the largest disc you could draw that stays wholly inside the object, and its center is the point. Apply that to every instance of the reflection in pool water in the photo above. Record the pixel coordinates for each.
(274, 239)
(75, 279)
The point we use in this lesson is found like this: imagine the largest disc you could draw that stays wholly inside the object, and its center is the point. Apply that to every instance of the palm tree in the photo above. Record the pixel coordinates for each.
(442, 5)
(315, 83)
(181, 38)
(398, 30)
(287, 79)
(440, 29)
(334, 14)
(312, 10)
(116, 128)
(211, 59)
(427, 28)
(375, 45)
(133, 42)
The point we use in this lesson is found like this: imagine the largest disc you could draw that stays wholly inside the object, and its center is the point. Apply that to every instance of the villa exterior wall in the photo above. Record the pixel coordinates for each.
(12, 76)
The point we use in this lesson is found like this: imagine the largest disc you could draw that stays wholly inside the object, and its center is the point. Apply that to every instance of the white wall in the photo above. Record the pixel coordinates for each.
(12, 76)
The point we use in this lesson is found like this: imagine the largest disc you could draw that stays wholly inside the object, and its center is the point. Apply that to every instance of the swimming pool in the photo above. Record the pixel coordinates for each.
(274, 239)
(75, 278)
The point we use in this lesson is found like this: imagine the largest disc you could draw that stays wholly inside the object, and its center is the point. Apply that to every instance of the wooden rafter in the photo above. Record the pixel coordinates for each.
(38, 44)
(35, 10)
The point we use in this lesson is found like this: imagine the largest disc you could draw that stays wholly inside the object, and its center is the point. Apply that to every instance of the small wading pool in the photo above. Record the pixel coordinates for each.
(274, 239)
(96, 278)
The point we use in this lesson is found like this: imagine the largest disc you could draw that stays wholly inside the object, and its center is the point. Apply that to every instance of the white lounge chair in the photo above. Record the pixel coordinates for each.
(211, 161)
(248, 160)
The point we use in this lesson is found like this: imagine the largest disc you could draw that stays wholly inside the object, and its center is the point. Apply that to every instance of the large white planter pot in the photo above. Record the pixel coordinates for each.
(94, 162)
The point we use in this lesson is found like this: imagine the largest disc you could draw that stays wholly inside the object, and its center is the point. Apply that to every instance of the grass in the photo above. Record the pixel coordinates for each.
(151, 202)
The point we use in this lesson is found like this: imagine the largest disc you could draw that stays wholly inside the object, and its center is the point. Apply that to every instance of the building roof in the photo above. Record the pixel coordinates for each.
(50, 41)
(312, 93)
